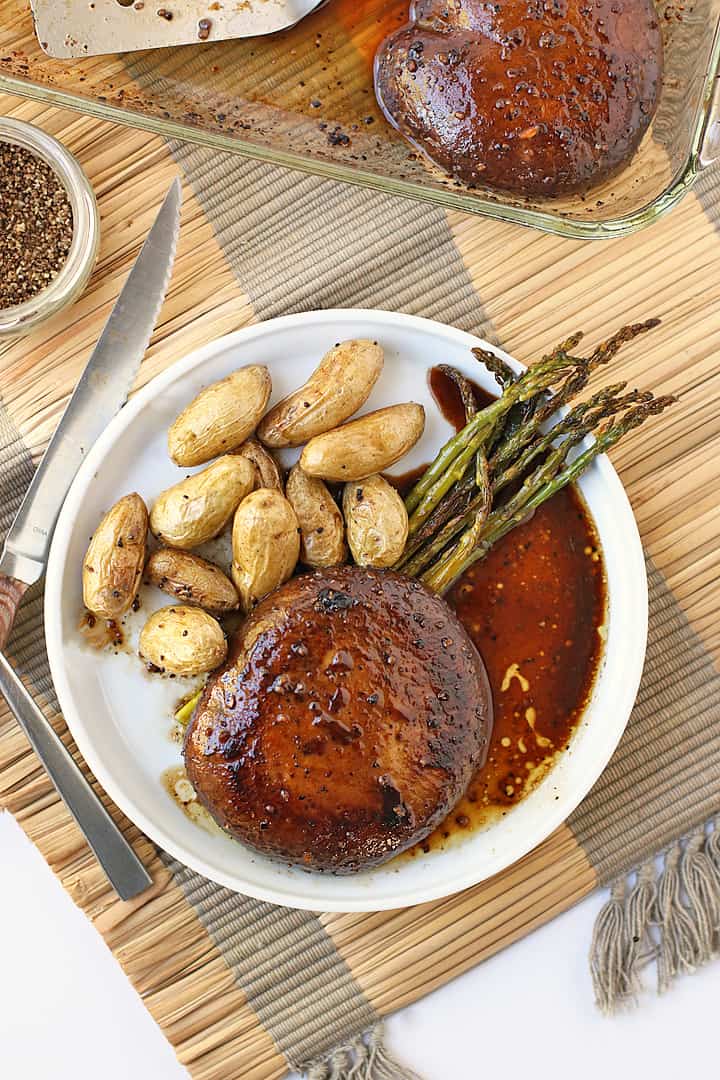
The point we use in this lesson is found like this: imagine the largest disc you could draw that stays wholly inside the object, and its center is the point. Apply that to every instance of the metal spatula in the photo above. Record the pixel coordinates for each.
(79, 28)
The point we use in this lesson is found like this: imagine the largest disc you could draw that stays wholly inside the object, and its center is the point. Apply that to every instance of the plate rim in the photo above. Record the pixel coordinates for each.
(550, 821)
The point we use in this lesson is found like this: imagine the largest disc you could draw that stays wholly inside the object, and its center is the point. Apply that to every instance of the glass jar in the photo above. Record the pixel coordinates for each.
(73, 275)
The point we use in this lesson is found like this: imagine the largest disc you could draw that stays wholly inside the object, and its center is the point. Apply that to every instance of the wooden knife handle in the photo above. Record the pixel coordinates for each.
(11, 593)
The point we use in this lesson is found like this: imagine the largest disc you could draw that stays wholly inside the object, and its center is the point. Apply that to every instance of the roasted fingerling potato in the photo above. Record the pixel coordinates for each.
(365, 446)
(265, 544)
(191, 580)
(376, 521)
(182, 641)
(336, 389)
(322, 530)
(267, 468)
(114, 561)
(199, 507)
(221, 417)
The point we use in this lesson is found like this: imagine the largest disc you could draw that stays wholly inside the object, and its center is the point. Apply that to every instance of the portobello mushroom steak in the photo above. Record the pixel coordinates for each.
(537, 97)
(348, 720)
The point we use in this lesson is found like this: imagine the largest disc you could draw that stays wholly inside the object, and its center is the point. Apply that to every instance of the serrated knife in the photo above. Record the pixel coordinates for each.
(103, 389)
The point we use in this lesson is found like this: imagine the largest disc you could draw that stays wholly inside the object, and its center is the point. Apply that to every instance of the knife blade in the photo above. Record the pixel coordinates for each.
(102, 390)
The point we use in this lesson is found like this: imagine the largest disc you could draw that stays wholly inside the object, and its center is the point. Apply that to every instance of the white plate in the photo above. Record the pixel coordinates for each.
(120, 716)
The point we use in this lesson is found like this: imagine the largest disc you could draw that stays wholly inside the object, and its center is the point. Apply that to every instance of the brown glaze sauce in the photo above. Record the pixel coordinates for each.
(99, 633)
(403, 482)
(535, 608)
(176, 783)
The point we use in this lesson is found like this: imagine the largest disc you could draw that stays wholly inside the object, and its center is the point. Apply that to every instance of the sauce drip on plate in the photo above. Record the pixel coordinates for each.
(535, 608)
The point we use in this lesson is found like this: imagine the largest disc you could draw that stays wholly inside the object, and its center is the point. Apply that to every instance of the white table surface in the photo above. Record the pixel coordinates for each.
(67, 1012)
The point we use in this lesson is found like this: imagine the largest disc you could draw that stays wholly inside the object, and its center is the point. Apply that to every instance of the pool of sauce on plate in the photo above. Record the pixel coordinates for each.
(403, 482)
(535, 608)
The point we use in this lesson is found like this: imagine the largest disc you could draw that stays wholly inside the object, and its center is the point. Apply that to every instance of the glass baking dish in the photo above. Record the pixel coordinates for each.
(303, 98)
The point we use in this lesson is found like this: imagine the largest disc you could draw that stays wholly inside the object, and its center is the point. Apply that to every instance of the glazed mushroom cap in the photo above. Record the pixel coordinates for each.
(350, 716)
(538, 97)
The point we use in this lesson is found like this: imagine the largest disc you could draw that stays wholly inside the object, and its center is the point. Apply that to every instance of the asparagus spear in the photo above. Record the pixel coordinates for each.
(516, 439)
(437, 543)
(523, 411)
(542, 485)
(453, 507)
(587, 415)
(504, 374)
(607, 349)
(546, 373)
(455, 511)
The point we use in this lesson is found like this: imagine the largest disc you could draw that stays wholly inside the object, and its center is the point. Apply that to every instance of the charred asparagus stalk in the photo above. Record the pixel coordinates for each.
(440, 475)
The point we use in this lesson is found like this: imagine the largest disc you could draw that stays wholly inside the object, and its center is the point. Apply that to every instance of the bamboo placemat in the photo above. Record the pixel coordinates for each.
(534, 290)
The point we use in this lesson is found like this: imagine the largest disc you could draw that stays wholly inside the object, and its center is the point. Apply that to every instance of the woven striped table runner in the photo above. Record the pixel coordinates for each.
(245, 989)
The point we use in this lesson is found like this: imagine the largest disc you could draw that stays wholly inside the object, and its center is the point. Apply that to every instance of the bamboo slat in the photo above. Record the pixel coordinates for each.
(130, 172)
(536, 289)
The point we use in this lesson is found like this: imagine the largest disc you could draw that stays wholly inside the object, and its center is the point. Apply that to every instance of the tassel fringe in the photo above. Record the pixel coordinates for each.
(365, 1058)
(679, 944)
(672, 919)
